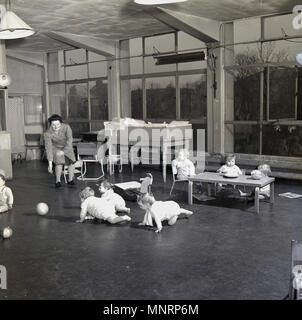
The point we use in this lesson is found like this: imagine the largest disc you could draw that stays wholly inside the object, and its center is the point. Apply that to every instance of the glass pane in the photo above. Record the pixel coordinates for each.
(52, 66)
(185, 42)
(282, 92)
(136, 46)
(160, 44)
(76, 72)
(242, 138)
(161, 98)
(246, 95)
(78, 127)
(32, 109)
(136, 99)
(282, 140)
(99, 100)
(151, 67)
(57, 99)
(75, 56)
(275, 27)
(97, 69)
(136, 65)
(77, 101)
(192, 65)
(193, 96)
(243, 27)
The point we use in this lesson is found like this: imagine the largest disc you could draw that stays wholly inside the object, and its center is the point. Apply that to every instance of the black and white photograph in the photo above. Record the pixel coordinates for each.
(150, 151)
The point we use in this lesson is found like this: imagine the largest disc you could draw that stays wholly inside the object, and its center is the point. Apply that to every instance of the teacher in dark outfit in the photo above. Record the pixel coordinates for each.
(59, 150)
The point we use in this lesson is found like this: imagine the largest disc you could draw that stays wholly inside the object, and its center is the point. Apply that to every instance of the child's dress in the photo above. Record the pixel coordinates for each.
(98, 208)
(163, 210)
(183, 169)
(115, 198)
(234, 170)
(6, 198)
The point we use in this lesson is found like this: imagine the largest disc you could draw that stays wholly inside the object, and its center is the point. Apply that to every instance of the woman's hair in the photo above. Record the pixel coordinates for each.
(86, 193)
(55, 117)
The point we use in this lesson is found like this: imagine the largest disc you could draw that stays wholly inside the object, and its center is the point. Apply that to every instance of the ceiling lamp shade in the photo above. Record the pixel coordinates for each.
(5, 80)
(299, 58)
(157, 2)
(12, 27)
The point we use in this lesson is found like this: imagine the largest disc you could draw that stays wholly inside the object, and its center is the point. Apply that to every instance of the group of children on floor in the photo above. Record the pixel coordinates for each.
(110, 203)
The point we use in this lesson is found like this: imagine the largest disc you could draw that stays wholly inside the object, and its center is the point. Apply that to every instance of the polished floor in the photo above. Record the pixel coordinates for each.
(224, 251)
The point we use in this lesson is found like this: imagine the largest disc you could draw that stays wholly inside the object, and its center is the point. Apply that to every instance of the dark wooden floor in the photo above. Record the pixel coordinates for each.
(224, 251)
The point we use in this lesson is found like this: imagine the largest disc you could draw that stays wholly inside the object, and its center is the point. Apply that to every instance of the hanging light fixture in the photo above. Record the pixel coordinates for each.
(11, 26)
(157, 2)
(299, 58)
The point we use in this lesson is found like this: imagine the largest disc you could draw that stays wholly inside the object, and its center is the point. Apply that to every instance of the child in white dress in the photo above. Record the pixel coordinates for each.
(182, 166)
(263, 170)
(230, 168)
(107, 192)
(6, 194)
(99, 208)
(160, 211)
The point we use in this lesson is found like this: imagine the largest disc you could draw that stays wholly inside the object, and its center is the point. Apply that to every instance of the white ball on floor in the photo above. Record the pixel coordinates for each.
(7, 232)
(42, 208)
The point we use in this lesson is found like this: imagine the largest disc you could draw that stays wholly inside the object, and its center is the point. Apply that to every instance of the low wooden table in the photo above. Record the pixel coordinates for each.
(244, 180)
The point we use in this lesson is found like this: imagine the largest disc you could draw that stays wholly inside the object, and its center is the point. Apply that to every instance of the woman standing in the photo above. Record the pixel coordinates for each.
(59, 150)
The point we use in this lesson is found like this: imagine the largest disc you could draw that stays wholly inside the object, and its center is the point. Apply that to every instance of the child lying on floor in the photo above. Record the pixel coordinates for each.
(99, 208)
(107, 192)
(6, 195)
(160, 211)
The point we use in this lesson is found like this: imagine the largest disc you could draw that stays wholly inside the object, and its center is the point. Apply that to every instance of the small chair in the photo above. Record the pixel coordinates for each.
(174, 176)
(175, 180)
(295, 291)
(78, 164)
(112, 160)
(88, 153)
(32, 143)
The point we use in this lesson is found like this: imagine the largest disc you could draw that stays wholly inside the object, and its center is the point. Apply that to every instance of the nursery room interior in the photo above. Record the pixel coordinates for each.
(183, 116)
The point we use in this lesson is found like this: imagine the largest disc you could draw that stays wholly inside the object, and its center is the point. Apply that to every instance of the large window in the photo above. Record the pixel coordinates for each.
(99, 99)
(161, 96)
(166, 92)
(77, 101)
(263, 99)
(32, 109)
(78, 88)
(193, 96)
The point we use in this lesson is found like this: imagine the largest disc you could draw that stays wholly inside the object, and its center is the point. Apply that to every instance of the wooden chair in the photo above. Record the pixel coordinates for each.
(87, 153)
(32, 143)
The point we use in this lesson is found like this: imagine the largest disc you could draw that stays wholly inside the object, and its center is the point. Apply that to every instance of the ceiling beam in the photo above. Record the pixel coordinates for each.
(100, 46)
(33, 58)
(203, 29)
